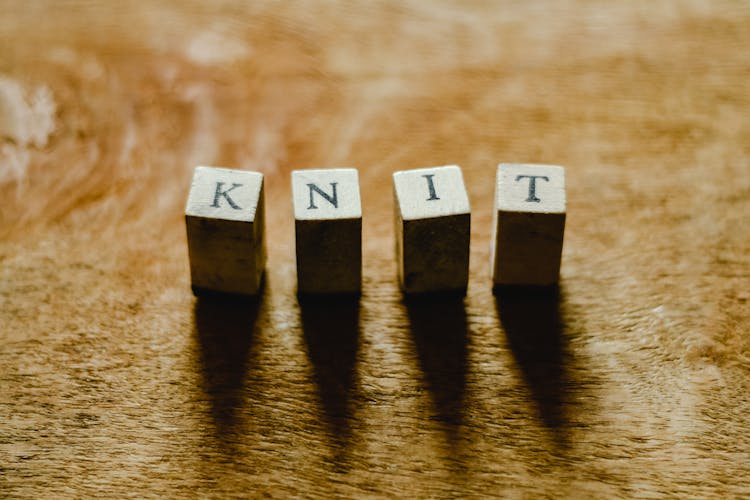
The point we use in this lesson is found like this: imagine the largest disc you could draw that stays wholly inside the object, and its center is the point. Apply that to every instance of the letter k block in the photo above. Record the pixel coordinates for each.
(328, 231)
(528, 224)
(225, 231)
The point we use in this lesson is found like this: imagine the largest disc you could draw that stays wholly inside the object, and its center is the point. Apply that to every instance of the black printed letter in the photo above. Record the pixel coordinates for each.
(431, 187)
(219, 193)
(532, 185)
(333, 199)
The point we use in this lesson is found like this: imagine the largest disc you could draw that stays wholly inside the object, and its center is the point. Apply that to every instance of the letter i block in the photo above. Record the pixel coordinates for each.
(328, 230)
(528, 226)
(433, 225)
(224, 219)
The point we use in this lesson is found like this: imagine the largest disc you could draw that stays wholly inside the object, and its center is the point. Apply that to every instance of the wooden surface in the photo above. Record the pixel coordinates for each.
(632, 382)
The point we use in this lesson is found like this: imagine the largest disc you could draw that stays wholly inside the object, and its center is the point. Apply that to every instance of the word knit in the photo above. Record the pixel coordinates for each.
(224, 218)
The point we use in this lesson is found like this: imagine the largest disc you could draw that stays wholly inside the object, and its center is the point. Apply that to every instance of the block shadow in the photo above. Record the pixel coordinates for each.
(440, 335)
(224, 329)
(535, 331)
(331, 331)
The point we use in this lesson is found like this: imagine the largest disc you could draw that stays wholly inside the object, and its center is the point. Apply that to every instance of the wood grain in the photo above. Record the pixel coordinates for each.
(632, 381)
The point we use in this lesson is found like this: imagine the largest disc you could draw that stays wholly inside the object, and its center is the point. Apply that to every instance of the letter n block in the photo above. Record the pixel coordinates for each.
(224, 219)
(433, 226)
(328, 230)
(529, 221)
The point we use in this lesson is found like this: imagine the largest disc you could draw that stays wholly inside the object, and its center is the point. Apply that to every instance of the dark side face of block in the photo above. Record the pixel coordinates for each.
(222, 256)
(529, 248)
(435, 254)
(329, 256)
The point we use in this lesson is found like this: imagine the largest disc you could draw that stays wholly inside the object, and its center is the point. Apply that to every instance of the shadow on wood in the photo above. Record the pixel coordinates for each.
(330, 327)
(440, 333)
(224, 329)
(532, 320)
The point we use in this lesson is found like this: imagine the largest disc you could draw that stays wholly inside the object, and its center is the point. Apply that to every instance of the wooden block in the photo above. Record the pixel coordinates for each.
(433, 225)
(328, 230)
(528, 224)
(225, 230)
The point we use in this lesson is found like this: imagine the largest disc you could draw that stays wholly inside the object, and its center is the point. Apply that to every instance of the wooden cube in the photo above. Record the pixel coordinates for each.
(225, 231)
(328, 230)
(433, 225)
(528, 226)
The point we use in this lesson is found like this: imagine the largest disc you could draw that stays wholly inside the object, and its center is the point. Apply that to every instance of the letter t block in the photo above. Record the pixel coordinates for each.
(224, 219)
(328, 231)
(433, 226)
(528, 226)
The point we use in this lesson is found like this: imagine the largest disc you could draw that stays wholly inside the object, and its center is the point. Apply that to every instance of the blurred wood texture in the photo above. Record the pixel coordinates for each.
(632, 382)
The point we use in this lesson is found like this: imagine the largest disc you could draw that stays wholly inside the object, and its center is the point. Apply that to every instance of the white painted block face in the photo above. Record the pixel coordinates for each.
(224, 217)
(528, 224)
(328, 230)
(433, 226)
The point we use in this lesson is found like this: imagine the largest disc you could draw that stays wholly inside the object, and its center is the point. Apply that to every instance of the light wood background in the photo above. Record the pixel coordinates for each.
(633, 382)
